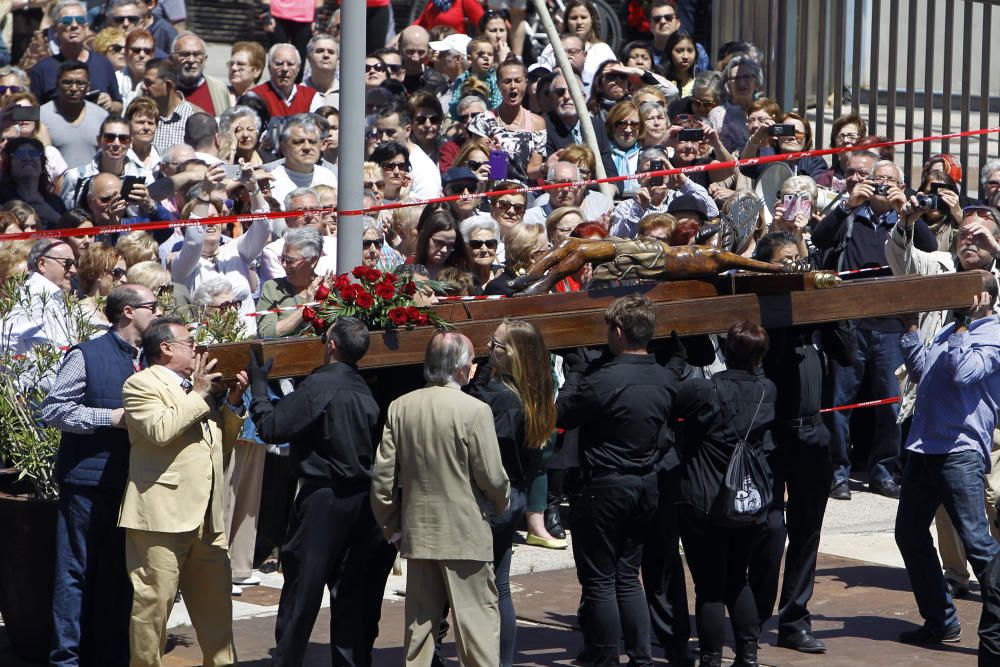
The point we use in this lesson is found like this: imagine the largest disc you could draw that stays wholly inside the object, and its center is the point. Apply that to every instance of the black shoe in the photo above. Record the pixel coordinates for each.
(926, 635)
(746, 655)
(678, 653)
(710, 660)
(841, 491)
(553, 522)
(889, 488)
(803, 641)
(955, 589)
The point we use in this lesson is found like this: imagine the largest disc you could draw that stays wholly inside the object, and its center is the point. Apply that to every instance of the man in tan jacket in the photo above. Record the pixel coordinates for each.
(172, 510)
(437, 474)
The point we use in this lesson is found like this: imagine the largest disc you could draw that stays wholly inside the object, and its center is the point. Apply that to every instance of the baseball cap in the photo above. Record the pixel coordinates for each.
(456, 42)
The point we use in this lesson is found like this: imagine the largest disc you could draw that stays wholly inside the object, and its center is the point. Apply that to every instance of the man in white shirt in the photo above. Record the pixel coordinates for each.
(594, 205)
(300, 144)
(393, 124)
(41, 317)
(301, 199)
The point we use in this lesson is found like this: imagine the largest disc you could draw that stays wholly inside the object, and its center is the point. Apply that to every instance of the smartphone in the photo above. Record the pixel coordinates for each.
(783, 130)
(233, 171)
(130, 182)
(24, 113)
(498, 165)
(92, 96)
(691, 134)
(656, 165)
(791, 205)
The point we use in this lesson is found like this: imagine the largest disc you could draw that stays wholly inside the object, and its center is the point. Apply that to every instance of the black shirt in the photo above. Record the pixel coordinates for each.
(508, 419)
(330, 422)
(621, 405)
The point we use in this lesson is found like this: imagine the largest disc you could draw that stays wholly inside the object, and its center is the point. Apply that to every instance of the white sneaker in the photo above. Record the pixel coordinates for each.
(252, 580)
(237, 590)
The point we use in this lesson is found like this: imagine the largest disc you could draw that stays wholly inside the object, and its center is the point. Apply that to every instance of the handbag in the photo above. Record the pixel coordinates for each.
(745, 493)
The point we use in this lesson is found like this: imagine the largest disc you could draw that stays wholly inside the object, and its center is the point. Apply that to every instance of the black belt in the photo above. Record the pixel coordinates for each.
(813, 420)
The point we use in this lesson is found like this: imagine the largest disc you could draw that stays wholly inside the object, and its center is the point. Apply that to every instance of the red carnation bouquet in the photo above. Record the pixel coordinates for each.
(380, 299)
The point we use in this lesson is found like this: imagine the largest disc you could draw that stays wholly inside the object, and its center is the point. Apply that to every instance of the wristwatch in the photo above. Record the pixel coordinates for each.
(962, 321)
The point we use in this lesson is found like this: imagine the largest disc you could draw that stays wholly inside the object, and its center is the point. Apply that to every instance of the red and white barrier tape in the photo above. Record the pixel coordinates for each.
(249, 218)
(863, 404)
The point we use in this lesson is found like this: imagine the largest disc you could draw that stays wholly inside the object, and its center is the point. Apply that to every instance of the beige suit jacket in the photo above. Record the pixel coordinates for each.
(175, 479)
(437, 473)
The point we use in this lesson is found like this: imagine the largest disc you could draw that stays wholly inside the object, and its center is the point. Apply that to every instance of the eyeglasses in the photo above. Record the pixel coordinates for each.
(798, 136)
(494, 343)
(136, 50)
(189, 55)
(980, 211)
(395, 166)
(466, 117)
(116, 48)
(477, 244)
(394, 69)
(704, 103)
(441, 243)
(67, 264)
(4, 90)
(149, 305)
(74, 83)
(70, 20)
(235, 64)
(131, 18)
(849, 136)
(227, 305)
(573, 52)
(374, 67)
(885, 179)
(117, 273)
(668, 18)
(505, 206)
(111, 137)
(632, 124)
(433, 120)
(615, 76)
(187, 342)
(374, 185)
(460, 188)
(286, 259)
(368, 243)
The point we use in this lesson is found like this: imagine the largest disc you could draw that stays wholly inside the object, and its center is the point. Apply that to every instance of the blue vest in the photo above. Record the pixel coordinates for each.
(101, 458)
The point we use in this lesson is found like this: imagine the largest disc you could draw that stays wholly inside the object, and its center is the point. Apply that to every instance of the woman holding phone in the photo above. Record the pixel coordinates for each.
(512, 128)
(769, 137)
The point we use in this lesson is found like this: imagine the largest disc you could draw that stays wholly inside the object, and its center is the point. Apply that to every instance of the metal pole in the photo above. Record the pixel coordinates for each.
(573, 84)
(352, 135)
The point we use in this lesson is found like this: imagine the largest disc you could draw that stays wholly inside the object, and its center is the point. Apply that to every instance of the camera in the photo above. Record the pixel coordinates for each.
(787, 130)
(656, 165)
(691, 134)
(880, 188)
(928, 202)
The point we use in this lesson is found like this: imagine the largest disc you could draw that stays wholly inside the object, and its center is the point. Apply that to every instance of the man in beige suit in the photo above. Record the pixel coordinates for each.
(437, 474)
(173, 505)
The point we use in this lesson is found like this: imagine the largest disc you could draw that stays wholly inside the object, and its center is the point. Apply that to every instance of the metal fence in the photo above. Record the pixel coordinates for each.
(910, 68)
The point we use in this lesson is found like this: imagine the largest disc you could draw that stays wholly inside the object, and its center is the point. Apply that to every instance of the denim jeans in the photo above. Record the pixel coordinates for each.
(878, 356)
(956, 481)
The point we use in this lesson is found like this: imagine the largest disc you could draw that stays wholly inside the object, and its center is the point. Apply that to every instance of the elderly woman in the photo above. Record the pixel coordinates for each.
(135, 247)
(212, 298)
(203, 256)
(561, 223)
(55, 164)
(525, 245)
(796, 212)
(239, 127)
(743, 79)
(482, 237)
(707, 92)
(989, 181)
(375, 252)
(140, 47)
(151, 274)
(624, 126)
(302, 250)
(142, 116)
(101, 269)
(246, 64)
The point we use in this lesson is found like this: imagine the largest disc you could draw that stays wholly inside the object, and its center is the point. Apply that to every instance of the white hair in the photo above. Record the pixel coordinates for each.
(476, 223)
(210, 289)
(274, 49)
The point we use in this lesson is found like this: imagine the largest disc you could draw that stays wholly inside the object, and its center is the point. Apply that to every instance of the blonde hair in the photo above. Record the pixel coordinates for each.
(371, 170)
(518, 244)
(324, 190)
(135, 247)
(105, 38)
(148, 274)
(12, 254)
(98, 258)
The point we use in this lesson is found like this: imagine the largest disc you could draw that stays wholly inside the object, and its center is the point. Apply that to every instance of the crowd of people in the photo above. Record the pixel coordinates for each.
(171, 481)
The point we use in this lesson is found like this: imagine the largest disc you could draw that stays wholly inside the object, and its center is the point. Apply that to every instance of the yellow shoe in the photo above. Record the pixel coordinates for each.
(536, 541)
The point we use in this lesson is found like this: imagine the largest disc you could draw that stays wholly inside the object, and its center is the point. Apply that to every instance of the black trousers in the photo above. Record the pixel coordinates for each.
(334, 542)
(663, 571)
(801, 463)
(719, 558)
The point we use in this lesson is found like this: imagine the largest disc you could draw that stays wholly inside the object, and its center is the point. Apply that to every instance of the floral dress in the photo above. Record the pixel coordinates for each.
(519, 144)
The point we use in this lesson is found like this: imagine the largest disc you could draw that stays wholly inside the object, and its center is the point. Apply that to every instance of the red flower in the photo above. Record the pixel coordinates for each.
(350, 292)
(341, 282)
(363, 298)
(423, 320)
(373, 276)
(389, 277)
(397, 316)
(413, 313)
(322, 292)
(308, 314)
(360, 272)
(319, 325)
(385, 290)
(410, 288)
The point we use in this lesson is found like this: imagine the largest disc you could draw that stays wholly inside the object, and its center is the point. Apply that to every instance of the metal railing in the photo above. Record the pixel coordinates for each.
(910, 68)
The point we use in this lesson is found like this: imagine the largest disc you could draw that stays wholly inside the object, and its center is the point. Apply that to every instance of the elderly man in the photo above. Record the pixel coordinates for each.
(203, 91)
(300, 144)
(70, 22)
(448, 57)
(72, 121)
(323, 54)
(161, 81)
(172, 509)
(392, 123)
(300, 199)
(414, 43)
(92, 600)
(41, 317)
(280, 93)
(562, 127)
(439, 445)
(595, 205)
(857, 230)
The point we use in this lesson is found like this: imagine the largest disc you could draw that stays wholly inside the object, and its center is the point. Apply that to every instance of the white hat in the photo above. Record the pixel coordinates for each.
(456, 42)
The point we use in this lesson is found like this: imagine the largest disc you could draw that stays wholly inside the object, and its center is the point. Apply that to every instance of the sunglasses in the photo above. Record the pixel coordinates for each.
(67, 264)
(395, 69)
(136, 50)
(395, 166)
(505, 206)
(474, 165)
(633, 124)
(466, 117)
(151, 306)
(980, 211)
(477, 244)
(375, 67)
(116, 48)
(368, 243)
(27, 153)
(117, 273)
(131, 18)
(227, 305)
(460, 188)
(433, 120)
(70, 20)
(4, 90)
(110, 137)
(374, 185)
(666, 18)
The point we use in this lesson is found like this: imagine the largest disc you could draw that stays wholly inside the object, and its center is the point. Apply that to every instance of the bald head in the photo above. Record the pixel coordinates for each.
(103, 189)
(414, 44)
